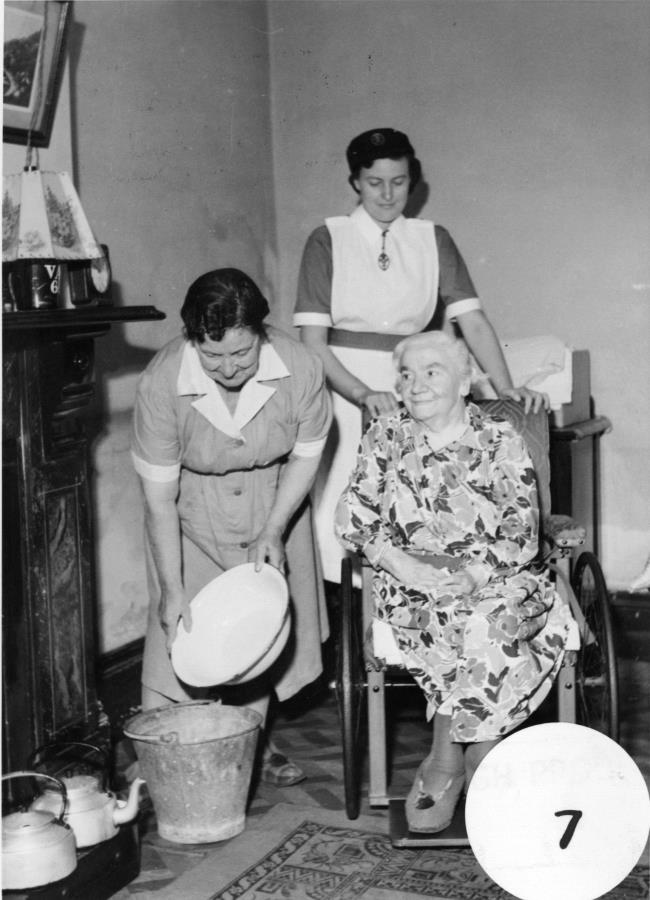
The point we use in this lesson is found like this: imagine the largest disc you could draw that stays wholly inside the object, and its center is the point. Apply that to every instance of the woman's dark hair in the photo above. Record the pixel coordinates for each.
(381, 143)
(220, 300)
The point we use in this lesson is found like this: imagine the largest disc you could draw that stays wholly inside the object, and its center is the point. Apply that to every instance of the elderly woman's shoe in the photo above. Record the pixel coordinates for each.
(433, 810)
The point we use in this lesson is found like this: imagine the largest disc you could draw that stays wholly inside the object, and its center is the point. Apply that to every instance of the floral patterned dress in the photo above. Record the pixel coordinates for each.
(490, 658)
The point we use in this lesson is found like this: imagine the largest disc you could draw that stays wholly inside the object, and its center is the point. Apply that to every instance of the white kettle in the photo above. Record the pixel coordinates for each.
(38, 847)
(93, 814)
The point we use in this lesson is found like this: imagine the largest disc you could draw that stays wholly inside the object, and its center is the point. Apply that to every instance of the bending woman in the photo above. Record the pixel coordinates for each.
(443, 504)
(366, 281)
(229, 424)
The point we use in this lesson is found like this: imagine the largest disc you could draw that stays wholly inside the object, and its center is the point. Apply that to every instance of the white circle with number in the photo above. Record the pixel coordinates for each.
(557, 810)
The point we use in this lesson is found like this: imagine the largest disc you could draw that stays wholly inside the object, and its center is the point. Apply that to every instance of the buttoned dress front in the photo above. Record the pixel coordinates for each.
(487, 659)
(228, 467)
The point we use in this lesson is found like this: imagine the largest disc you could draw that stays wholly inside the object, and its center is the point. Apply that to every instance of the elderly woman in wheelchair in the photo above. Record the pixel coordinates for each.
(443, 505)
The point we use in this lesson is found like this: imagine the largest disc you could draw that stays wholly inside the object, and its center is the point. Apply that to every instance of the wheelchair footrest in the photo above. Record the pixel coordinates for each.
(400, 836)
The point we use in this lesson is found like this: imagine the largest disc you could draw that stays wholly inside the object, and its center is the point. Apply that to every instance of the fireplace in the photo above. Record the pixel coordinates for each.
(49, 623)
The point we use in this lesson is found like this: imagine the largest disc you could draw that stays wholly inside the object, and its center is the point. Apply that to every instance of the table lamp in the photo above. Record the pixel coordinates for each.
(49, 252)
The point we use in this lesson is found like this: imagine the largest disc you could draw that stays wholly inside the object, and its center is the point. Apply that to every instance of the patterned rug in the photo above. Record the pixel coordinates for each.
(304, 853)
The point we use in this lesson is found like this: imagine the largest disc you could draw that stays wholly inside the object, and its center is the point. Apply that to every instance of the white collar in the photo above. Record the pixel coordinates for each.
(193, 379)
(370, 229)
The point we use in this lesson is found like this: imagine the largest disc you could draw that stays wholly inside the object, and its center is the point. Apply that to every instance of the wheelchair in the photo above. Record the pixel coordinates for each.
(586, 685)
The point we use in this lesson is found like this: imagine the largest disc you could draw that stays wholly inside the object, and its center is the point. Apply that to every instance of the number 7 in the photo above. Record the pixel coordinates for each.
(576, 815)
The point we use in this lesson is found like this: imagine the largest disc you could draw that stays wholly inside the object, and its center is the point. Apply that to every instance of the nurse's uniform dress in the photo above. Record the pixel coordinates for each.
(369, 310)
(228, 467)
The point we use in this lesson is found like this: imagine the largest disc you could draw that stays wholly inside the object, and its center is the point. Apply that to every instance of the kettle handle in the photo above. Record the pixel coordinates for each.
(60, 785)
(48, 750)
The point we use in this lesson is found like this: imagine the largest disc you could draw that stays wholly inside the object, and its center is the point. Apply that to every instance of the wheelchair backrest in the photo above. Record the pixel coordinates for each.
(533, 427)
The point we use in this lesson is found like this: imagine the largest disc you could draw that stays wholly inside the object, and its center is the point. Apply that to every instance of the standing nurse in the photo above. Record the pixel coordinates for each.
(229, 424)
(366, 281)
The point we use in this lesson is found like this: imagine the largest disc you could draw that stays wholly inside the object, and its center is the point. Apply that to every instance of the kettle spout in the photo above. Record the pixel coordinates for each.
(125, 810)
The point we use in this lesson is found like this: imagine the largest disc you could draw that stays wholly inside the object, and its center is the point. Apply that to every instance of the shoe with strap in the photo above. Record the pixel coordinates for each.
(431, 809)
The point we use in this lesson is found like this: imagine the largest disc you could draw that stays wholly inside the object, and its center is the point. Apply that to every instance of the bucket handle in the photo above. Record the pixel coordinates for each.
(60, 785)
(48, 751)
(170, 737)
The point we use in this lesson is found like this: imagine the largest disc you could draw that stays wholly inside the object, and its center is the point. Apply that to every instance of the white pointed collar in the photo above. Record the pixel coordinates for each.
(370, 229)
(194, 380)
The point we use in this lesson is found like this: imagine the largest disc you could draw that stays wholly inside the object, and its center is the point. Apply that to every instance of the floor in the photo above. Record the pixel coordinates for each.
(310, 733)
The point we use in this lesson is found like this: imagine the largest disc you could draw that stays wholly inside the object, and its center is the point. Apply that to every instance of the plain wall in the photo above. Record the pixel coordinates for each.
(532, 121)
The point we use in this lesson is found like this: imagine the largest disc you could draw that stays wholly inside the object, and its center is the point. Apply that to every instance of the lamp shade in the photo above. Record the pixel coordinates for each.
(42, 218)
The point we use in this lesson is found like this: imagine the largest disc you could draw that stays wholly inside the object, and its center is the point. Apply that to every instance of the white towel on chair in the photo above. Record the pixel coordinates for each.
(384, 644)
(573, 636)
(543, 363)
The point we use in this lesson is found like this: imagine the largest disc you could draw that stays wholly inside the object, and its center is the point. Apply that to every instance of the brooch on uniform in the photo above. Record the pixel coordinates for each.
(384, 258)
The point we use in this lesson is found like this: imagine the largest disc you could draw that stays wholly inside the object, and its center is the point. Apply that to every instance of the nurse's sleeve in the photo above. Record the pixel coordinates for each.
(155, 443)
(456, 289)
(314, 304)
(314, 408)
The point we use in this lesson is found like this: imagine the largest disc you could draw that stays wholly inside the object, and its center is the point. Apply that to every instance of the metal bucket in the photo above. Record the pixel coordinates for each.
(197, 759)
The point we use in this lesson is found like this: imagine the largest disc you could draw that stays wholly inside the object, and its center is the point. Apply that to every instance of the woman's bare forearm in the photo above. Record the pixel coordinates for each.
(343, 381)
(163, 529)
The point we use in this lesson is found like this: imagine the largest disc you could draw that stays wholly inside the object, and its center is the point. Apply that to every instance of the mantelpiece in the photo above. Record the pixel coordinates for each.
(73, 320)
(49, 640)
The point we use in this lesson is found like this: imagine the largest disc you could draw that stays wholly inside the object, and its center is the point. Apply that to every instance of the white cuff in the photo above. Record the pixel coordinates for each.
(463, 306)
(309, 449)
(312, 318)
(151, 472)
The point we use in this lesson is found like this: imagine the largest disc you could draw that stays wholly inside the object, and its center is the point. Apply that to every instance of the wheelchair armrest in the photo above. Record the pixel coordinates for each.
(563, 532)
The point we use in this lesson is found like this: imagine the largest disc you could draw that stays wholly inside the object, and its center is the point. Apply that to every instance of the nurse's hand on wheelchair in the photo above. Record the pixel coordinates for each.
(532, 400)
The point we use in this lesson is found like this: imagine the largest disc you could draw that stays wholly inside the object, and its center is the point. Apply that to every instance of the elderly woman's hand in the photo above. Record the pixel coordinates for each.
(411, 571)
(532, 400)
(460, 583)
(428, 579)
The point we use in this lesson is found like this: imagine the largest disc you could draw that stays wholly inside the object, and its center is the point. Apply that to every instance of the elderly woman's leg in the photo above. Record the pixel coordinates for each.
(438, 782)
(474, 756)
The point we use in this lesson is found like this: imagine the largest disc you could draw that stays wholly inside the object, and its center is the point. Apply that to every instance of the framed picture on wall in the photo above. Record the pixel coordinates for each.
(34, 53)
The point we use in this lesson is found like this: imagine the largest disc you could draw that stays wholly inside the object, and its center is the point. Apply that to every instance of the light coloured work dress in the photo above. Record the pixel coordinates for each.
(228, 469)
(369, 309)
(490, 658)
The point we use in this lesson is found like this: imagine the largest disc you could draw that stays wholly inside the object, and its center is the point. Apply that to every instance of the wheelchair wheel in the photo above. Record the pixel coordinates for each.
(596, 668)
(350, 691)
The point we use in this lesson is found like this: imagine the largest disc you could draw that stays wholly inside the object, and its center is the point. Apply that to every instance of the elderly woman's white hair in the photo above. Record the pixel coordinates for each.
(439, 340)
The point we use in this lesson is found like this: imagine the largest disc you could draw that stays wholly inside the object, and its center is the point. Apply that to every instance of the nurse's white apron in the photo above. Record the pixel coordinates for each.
(365, 299)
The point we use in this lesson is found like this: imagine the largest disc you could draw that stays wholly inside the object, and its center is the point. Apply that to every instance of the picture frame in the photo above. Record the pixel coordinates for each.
(35, 35)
